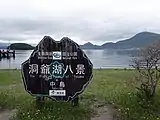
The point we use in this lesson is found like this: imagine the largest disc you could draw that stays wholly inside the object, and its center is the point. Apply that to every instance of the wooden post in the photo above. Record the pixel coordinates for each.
(3, 54)
(0, 54)
(13, 53)
(39, 101)
(75, 101)
(7, 52)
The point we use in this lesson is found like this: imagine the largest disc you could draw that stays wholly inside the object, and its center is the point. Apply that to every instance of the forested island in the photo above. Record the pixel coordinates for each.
(20, 46)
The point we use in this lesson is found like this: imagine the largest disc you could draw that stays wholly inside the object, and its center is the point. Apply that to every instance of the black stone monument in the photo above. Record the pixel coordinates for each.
(59, 70)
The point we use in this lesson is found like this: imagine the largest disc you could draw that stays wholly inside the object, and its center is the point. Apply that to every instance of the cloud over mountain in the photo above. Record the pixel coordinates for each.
(84, 21)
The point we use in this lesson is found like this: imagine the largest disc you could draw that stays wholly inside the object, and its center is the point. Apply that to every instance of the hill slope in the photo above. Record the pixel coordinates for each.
(139, 40)
(89, 46)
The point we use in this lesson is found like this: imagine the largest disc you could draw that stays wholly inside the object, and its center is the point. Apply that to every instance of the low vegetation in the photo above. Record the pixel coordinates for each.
(147, 65)
(115, 87)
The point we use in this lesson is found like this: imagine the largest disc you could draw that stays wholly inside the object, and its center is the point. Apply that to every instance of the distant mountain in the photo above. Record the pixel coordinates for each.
(20, 46)
(89, 46)
(139, 40)
(3, 45)
(109, 45)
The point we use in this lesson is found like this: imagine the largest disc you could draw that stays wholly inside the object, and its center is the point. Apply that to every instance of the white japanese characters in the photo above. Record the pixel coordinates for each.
(33, 69)
(52, 84)
(44, 69)
(42, 53)
(62, 85)
(70, 69)
(45, 55)
(67, 54)
(80, 69)
(57, 69)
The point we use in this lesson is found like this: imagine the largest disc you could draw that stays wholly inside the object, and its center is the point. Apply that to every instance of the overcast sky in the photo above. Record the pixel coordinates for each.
(96, 21)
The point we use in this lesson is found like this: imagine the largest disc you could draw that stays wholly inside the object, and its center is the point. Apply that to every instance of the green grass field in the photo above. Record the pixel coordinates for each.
(114, 87)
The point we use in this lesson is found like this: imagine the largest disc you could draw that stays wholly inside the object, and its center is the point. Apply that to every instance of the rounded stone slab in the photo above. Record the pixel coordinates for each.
(59, 70)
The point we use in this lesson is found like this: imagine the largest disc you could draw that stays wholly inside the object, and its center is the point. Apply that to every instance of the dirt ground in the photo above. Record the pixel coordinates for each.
(105, 113)
(7, 114)
(102, 113)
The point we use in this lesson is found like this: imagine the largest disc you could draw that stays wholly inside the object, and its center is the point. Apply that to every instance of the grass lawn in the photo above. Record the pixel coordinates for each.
(114, 87)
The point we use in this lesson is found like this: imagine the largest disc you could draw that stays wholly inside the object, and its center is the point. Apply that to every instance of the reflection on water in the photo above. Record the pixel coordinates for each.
(21, 56)
(99, 58)
(88, 52)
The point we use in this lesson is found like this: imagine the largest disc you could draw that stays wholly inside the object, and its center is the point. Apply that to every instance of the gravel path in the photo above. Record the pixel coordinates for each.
(7, 114)
(105, 113)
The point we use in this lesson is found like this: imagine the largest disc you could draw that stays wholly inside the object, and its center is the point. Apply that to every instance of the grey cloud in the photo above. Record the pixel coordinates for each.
(25, 29)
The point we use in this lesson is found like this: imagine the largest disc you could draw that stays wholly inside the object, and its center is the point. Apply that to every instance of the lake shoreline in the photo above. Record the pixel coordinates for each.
(101, 59)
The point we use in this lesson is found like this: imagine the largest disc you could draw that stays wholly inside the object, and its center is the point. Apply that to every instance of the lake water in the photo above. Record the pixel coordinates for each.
(99, 58)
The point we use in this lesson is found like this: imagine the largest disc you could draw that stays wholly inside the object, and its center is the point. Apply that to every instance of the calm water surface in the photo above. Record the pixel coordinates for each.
(99, 58)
